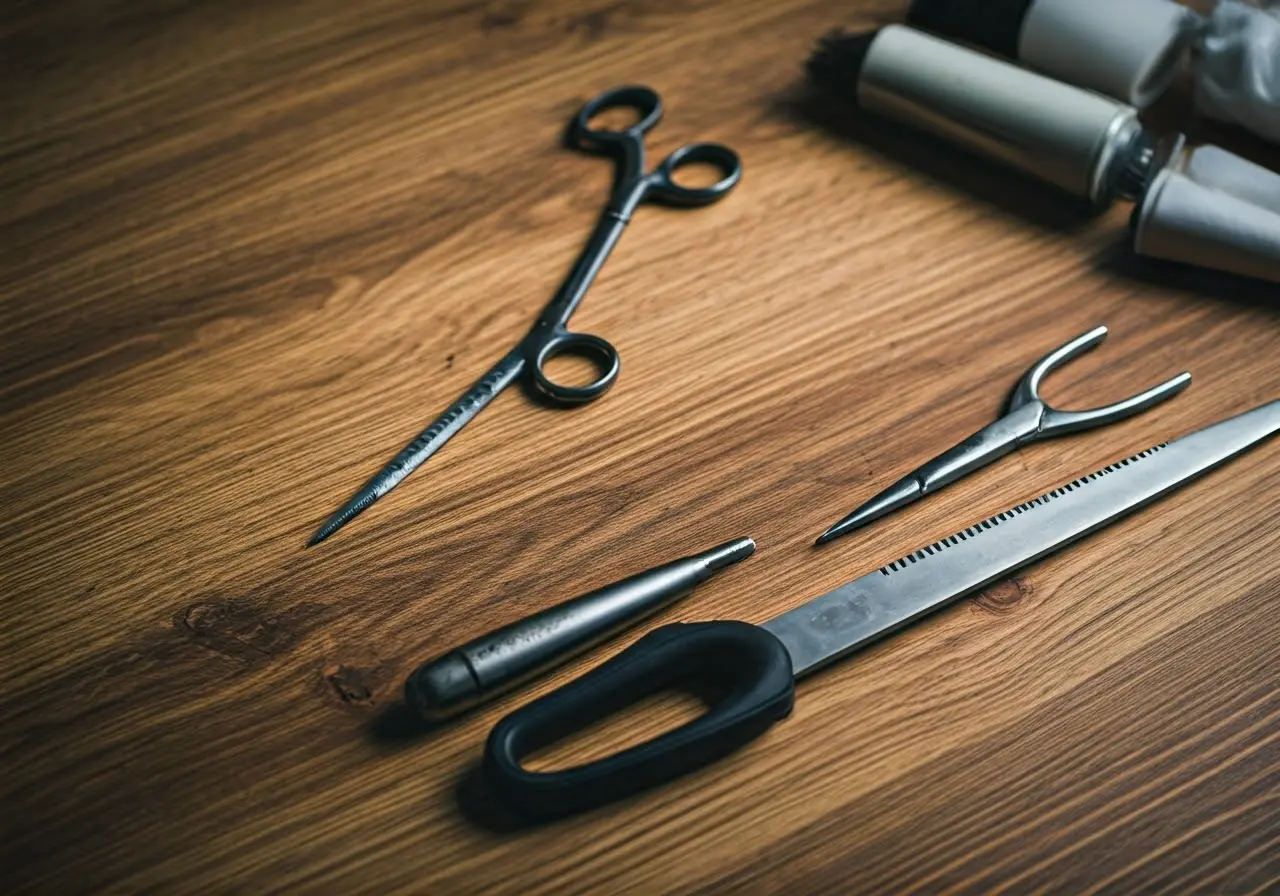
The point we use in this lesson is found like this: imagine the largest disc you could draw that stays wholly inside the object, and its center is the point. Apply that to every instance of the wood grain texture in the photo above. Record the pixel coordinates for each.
(247, 250)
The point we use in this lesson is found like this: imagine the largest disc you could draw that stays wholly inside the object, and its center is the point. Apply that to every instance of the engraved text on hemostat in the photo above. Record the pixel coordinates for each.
(480, 393)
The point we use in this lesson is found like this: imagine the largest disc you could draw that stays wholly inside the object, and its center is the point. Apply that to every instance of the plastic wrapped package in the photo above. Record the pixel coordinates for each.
(1237, 66)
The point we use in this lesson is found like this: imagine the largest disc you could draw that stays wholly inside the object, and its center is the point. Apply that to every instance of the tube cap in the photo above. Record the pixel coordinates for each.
(443, 688)
(1215, 224)
(1128, 49)
(1212, 166)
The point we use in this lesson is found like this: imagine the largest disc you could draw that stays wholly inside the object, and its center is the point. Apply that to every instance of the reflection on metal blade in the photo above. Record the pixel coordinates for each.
(828, 627)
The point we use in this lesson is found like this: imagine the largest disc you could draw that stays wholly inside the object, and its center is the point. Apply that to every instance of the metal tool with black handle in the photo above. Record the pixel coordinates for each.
(750, 671)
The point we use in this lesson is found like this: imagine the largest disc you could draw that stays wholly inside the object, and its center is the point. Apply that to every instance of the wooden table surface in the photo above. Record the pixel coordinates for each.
(248, 250)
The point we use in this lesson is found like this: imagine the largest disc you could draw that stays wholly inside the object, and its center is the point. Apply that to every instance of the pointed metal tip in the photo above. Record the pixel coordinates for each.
(832, 534)
(856, 520)
(900, 494)
(345, 514)
(729, 553)
(331, 525)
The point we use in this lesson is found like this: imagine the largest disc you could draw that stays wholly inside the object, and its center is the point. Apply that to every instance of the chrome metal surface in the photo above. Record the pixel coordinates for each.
(830, 626)
(1062, 134)
(502, 659)
(1028, 419)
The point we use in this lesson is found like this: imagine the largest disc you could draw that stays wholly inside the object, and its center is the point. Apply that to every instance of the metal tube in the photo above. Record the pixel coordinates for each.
(481, 669)
(1070, 137)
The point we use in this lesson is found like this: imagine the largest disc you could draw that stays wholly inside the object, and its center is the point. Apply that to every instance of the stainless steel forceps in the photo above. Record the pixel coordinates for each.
(1028, 419)
(550, 335)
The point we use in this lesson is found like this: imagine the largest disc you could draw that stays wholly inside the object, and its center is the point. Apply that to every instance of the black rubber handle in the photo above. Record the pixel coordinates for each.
(743, 671)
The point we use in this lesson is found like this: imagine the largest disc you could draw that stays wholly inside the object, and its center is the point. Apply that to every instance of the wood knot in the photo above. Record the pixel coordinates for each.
(1002, 597)
(506, 15)
(350, 684)
(240, 629)
(592, 24)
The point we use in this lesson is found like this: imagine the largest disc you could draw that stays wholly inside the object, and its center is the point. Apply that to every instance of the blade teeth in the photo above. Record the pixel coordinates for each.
(1016, 510)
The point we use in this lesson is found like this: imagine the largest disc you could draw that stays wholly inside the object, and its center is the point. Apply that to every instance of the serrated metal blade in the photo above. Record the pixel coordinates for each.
(828, 627)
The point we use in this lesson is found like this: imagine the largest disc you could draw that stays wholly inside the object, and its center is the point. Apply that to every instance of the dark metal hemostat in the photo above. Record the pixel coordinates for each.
(1028, 419)
(550, 335)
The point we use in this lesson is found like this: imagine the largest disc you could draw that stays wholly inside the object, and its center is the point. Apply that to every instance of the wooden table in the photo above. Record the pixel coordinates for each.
(250, 249)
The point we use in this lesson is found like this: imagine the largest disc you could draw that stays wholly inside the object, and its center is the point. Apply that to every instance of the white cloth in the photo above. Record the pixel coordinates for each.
(1237, 66)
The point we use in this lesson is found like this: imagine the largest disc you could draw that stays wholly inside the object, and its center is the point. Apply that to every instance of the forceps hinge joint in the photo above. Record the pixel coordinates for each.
(628, 194)
(1018, 427)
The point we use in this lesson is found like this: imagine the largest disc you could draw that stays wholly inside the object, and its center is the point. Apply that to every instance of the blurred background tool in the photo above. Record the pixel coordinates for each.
(1133, 49)
(1087, 144)
(1129, 49)
(1209, 207)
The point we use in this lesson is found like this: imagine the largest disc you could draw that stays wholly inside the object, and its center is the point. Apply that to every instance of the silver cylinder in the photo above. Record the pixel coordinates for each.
(1188, 222)
(1064, 135)
(1132, 49)
(481, 669)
